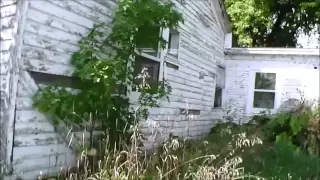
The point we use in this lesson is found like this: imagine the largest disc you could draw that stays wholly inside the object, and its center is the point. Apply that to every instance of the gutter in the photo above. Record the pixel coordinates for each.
(272, 51)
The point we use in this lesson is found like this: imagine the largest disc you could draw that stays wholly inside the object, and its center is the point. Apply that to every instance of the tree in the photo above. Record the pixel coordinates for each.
(272, 23)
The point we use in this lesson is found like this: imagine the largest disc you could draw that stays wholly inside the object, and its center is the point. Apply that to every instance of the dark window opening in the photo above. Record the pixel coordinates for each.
(173, 66)
(53, 79)
(68, 82)
(189, 112)
(153, 68)
(218, 98)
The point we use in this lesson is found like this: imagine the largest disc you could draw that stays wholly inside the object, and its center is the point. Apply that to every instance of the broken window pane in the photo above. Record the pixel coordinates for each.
(263, 100)
(266, 81)
(148, 37)
(152, 66)
(218, 98)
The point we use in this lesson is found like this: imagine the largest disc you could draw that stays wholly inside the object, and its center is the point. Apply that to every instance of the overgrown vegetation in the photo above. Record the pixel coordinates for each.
(272, 23)
(104, 65)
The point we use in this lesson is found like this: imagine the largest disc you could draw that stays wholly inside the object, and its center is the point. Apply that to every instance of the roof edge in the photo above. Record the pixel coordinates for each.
(222, 15)
(272, 51)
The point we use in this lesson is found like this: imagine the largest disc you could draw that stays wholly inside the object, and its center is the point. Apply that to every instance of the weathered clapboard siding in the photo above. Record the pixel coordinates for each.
(200, 51)
(8, 11)
(296, 69)
(50, 34)
(35, 136)
(10, 42)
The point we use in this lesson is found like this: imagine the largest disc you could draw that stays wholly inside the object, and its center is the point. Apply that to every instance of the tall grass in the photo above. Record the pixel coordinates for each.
(173, 159)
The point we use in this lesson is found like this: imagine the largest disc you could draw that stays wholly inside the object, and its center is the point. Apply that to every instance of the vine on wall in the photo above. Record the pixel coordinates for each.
(104, 64)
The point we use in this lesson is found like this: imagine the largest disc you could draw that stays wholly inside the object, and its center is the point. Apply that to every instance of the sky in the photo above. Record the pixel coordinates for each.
(309, 41)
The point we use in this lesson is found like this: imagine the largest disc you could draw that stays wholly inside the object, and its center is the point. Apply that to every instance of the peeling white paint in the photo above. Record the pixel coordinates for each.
(296, 70)
(50, 35)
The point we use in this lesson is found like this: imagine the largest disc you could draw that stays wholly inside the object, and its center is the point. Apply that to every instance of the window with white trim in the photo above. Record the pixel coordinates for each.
(153, 70)
(264, 90)
(174, 40)
(150, 57)
(220, 84)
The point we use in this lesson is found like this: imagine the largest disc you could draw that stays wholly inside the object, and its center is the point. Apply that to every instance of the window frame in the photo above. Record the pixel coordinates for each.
(171, 51)
(250, 110)
(217, 88)
(134, 95)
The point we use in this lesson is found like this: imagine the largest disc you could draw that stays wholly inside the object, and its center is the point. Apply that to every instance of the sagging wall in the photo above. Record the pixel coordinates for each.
(51, 30)
(297, 76)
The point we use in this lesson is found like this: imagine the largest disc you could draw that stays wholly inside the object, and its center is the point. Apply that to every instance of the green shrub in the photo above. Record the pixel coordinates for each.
(281, 162)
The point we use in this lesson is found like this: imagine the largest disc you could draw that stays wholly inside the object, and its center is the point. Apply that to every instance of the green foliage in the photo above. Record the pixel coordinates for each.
(104, 64)
(271, 23)
(299, 129)
(280, 160)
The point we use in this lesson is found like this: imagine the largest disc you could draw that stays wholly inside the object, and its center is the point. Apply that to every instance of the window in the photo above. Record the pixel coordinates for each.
(149, 57)
(173, 43)
(148, 40)
(264, 90)
(220, 84)
(153, 68)
(218, 98)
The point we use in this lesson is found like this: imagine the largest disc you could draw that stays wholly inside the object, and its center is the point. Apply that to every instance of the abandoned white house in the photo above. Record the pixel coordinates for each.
(212, 79)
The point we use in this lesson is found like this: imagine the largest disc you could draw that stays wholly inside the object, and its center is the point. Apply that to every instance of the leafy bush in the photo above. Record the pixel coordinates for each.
(298, 129)
(104, 66)
(280, 161)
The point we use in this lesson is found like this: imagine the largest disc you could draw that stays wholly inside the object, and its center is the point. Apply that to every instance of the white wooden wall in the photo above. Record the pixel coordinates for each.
(7, 21)
(296, 69)
(51, 29)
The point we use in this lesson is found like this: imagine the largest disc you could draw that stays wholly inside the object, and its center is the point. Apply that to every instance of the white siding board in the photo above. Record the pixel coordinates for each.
(39, 164)
(106, 8)
(84, 11)
(50, 44)
(34, 128)
(7, 2)
(5, 45)
(31, 152)
(52, 21)
(29, 116)
(52, 33)
(6, 22)
(48, 67)
(31, 52)
(37, 139)
(9, 10)
(65, 14)
(4, 57)
(6, 34)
